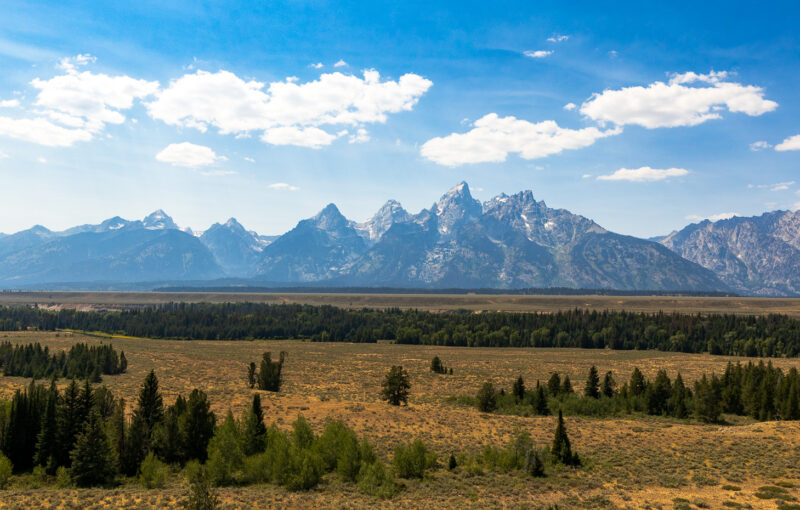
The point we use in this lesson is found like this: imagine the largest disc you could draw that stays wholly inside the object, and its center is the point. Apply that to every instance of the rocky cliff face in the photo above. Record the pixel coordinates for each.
(758, 255)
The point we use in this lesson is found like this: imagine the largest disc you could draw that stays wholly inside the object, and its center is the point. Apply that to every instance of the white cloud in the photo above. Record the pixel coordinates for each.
(790, 144)
(318, 65)
(360, 136)
(586, 176)
(797, 206)
(9, 103)
(713, 217)
(778, 186)
(283, 186)
(340, 63)
(675, 103)
(643, 174)
(556, 38)
(286, 112)
(537, 53)
(70, 63)
(41, 160)
(3, 155)
(42, 131)
(249, 160)
(570, 106)
(613, 53)
(492, 138)
(188, 155)
(759, 146)
(217, 173)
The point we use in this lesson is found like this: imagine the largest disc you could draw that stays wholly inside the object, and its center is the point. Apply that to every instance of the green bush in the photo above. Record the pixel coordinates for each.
(225, 453)
(63, 479)
(307, 472)
(201, 496)
(257, 468)
(412, 460)
(5, 470)
(375, 480)
(153, 473)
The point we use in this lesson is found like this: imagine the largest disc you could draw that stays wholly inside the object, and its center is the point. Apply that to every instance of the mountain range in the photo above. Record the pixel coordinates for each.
(458, 242)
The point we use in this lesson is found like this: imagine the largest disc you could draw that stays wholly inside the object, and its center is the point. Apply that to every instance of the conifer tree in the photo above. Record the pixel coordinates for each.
(637, 384)
(150, 407)
(541, 401)
(396, 386)
(609, 385)
(706, 401)
(554, 385)
(487, 398)
(70, 422)
(562, 450)
(677, 405)
(519, 389)
(592, 388)
(436, 365)
(47, 440)
(197, 426)
(251, 374)
(116, 431)
(135, 447)
(255, 431)
(92, 458)
(566, 386)
(658, 394)
(123, 362)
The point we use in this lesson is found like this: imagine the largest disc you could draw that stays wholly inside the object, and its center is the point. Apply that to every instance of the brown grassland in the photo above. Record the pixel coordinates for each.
(630, 462)
(433, 302)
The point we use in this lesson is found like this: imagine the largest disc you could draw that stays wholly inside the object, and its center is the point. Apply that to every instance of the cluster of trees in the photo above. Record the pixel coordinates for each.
(760, 391)
(764, 336)
(268, 377)
(438, 367)
(82, 361)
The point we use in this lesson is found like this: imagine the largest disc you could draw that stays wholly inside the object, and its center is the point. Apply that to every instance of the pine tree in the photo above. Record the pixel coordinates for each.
(70, 422)
(561, 450)
(519, 389)
(150, 407)
(541, 401)
(436, 365)
(609, 385)
(251, 374)
(637, 384)
(396, 386)
(47, 440)
(566, 386)
(677, 405)
(92, 458)
(197, 426)
(592, 388)
(554, 385)
(116, 431)
(255, 431)
(135, 447)
(706, 401)
(658, 394)
(487, 398)
(123, 362)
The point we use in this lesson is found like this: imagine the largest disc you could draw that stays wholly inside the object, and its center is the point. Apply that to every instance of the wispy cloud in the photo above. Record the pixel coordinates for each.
(557, 38)
(759, 146)
(340, 63)
(643, 174)
(283, 186)
(778, 186)
(537, 53)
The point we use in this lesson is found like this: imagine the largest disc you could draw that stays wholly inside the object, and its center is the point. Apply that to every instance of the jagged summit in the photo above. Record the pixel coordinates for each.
(159, 220)
(390, 213)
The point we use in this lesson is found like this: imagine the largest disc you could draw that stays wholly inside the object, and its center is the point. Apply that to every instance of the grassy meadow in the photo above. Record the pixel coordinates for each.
(630, 462)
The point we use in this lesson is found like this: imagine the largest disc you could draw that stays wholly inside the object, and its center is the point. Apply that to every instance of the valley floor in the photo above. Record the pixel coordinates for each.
(630, 461)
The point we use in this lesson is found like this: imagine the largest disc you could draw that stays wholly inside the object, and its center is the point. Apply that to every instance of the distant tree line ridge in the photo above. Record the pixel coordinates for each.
(760, 391)
(766, 336)
(530, 291)
(82, 361)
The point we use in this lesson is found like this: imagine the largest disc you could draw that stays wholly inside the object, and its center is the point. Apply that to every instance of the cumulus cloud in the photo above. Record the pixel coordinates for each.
(42, 131)
(790, 144)
(318, 65)
(283, 186)
(340, 63)
(687, 99)
(9, 103)
(492, 138)
(643, 174)
(75, 106)
(188, 155)
(759, 146)
(360, 136)
(556, 38)
(713, 217)
(286, 112)
(537, 53)
(570, 106)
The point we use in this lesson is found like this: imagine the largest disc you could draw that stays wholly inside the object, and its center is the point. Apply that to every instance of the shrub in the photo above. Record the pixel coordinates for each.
(487, 398)
(375, 480)
(307, 470)
(395, 386)
(63, 480)
(225, 455)
(201, 496)
(153, 473)
(411, 461)
(5, 470)
(257, 468)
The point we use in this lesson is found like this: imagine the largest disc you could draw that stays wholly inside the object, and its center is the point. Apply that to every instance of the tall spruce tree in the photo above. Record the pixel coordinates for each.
(609, 385)
(150, 407)
(592, 388)
(255, 431)
(197, 426)
(47, 440)
(519, 389)
(561, 449)
(92, 457)
(70, 422)
(554, 385)
(638, 383)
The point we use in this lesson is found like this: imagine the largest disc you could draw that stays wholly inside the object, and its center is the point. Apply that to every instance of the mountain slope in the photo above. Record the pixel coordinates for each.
(236, 250)
(756, 255)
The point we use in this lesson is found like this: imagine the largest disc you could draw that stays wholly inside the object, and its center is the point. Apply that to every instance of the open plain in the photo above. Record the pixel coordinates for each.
(630, 461)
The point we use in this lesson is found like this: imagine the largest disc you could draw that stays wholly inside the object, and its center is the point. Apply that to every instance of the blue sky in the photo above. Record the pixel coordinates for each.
(218, 109)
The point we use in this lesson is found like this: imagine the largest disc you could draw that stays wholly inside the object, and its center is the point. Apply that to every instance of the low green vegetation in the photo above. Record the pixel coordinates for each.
(268, 377)
(759, 391)
(740, 335)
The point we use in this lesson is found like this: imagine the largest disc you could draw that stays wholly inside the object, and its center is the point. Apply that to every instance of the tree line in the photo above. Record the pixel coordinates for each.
(81, 436)
(764, 336)
(760, 391)
(82, 361)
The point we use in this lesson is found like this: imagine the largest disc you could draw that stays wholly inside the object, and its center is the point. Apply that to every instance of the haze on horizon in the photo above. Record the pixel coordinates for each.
(642, 119)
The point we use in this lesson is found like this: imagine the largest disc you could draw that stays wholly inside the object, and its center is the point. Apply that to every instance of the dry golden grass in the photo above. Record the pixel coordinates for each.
(434, 302)
(631, 462)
